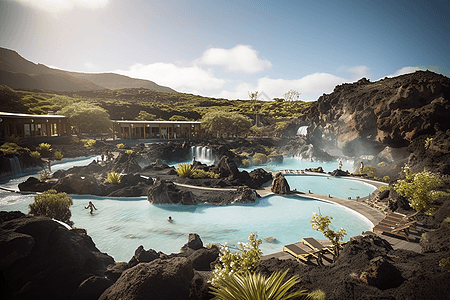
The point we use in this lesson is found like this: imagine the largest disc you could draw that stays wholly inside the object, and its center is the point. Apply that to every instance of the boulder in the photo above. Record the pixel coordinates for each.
(280, 185)
(32, 184)
(141, 255)
(245, 195)
(194, 242)
(92, 288)
(42, 256)
(160, 279)
(257, 178)
(163, 191)
(202, 258)
(227, 168)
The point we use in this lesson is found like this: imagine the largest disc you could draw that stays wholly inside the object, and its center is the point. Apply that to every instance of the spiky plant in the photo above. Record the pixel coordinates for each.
(120, 146)
(58, 155)
(114, 177)
(257, 287)
(185, 170)
(43, 147)
(35, 154)
(129, 152)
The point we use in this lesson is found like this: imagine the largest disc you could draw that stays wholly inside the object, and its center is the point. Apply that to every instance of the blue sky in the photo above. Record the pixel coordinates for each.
(228, 48)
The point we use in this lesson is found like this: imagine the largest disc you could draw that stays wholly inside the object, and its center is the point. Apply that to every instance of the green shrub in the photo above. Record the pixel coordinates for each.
(256, 286)
(201, 174)
(58, 155)
(368, 170)
(386, 178)
(428, 141)
(114, 177)
(44, 147)
(246, 163)
(89, 143)
(120, 146)
(259, 159)
(381, 164)
(10, 148)
(44, 174)
(35, 154)
(129, 152)
(419, 188)
(185, 170)
(242, 261)
(53, 205)
(385, 187)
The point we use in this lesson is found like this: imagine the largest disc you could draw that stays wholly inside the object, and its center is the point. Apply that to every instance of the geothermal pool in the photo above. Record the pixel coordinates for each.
(120, 225)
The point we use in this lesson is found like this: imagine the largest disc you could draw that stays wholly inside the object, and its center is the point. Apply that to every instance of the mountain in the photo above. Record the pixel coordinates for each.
(409, 112)
(19, 73)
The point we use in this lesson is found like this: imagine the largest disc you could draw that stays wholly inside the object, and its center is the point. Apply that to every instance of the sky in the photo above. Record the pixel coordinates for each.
(226, 49)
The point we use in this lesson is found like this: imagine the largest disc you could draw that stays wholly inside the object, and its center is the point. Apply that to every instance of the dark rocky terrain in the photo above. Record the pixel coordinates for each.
(389, 119)
(386, 121)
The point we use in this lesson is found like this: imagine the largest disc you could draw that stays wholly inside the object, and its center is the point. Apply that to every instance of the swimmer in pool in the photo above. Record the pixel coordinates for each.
(91, 207)
(170, 219)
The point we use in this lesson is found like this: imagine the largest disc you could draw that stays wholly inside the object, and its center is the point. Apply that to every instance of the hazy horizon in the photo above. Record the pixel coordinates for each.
(226, 49)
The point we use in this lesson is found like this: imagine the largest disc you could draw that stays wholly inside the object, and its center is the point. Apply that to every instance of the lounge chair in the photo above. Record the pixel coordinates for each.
(405, 218)
(300, 251)
(318, 246)
(401, 230)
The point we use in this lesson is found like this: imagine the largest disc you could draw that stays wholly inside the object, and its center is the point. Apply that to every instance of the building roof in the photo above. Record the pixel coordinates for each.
(14, 115)
(155, 122)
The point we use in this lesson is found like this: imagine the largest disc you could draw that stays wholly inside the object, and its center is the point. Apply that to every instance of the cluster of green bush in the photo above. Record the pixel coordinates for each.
(11, 149)
(88, 142)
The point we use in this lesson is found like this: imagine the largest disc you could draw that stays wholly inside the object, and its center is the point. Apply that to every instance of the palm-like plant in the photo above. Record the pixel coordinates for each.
(114, 177)
(185, 170)
(255, 286)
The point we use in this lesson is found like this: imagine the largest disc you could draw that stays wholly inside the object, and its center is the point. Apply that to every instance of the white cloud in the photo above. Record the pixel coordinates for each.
(405, 70)
(58, 6)
(190, 79)
(310, 87)
(239, 59)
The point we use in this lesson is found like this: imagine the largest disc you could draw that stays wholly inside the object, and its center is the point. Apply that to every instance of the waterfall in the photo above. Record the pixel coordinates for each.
(302, 130)
(202, 154)
(16, 168)
(306, 154)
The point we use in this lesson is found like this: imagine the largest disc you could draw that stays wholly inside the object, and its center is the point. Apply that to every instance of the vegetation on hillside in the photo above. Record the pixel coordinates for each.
(147, 104)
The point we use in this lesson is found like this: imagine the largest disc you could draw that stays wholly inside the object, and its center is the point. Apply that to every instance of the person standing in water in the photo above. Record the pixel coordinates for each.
(361, 169)
(170, 219)
(91, 207)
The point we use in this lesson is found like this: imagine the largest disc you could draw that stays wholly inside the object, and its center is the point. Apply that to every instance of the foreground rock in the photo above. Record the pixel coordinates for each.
(41, 259)
(368, 268)
(280, 185)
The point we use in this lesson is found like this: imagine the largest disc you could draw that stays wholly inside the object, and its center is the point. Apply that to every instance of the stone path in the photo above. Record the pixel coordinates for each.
(359, 206)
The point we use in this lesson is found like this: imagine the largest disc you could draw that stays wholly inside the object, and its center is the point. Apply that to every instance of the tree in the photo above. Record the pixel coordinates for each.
(291, 95)
(242, 261)
(222, 122)
(419, 189)
(145, 116)
(253, 98)
(256, 286)
(87, 117)
(53, 205)
(322, 224)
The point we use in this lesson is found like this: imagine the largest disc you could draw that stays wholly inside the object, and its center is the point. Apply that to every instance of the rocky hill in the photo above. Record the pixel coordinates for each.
(19, 73)
(365, 117)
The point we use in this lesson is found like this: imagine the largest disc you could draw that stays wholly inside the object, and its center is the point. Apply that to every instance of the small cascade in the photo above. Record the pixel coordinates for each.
(302, 130)
(202, 154)
(16, 168)
(306, 154)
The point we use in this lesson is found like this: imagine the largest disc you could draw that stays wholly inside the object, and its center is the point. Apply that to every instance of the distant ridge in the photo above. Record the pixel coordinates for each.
(19, 73)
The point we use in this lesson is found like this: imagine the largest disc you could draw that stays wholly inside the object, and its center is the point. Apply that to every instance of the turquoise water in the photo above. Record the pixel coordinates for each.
(120, 225)
(296, 163)
(328, 185)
